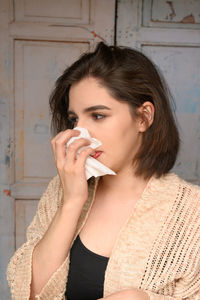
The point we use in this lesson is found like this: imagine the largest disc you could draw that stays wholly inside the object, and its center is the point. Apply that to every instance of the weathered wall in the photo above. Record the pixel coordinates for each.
(6, 202)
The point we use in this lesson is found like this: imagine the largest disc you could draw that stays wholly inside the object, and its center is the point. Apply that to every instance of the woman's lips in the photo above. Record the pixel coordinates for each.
(97, 154)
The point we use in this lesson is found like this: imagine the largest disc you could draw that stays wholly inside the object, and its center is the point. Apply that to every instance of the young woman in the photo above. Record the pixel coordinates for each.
(133, 235)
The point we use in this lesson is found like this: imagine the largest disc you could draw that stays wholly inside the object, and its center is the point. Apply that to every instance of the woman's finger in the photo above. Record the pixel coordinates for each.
(59, 143)
(84, 154)
(74, 147)
(54, 139)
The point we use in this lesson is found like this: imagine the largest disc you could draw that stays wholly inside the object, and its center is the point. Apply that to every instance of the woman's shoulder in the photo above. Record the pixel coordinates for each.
(173, 180)
(180, 191)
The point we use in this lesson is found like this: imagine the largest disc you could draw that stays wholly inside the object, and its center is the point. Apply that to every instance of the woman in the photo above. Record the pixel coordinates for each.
(134, 235)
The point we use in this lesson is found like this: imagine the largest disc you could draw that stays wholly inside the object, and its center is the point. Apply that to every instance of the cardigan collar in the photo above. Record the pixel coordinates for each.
(144, 203)
(92, 187)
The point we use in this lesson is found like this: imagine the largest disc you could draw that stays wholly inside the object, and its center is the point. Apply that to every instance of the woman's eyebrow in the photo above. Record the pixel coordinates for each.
(91, 108)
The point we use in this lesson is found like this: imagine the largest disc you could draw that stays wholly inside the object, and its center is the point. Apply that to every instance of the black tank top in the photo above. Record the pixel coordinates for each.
(86, 273)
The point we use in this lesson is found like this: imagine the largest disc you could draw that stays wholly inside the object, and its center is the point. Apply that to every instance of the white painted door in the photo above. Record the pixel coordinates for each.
(38, 39)
(169, 33)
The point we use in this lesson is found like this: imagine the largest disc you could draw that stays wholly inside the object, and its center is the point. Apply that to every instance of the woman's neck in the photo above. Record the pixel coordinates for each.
(122, 184)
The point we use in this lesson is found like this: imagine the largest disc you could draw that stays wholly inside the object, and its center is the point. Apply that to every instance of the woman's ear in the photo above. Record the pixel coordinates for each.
(146, 115)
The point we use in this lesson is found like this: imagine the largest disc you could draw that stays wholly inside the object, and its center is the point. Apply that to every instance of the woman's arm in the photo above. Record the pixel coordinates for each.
(41, 264)
(19, 270)
(53, 248)
(128, 294)
(136, 294)
(50, 229)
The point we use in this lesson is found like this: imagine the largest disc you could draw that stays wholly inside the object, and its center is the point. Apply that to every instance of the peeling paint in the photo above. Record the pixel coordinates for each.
(7, 192)
(8, 154)
(176, 12)
(7, 61)
(173, 14)
(188, 19)
(7, 160)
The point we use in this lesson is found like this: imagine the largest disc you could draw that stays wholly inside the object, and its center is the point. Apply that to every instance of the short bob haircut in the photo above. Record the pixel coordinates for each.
(129, 76)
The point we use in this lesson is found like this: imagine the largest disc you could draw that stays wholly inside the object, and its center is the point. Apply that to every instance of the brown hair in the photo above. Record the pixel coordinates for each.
(132, 77)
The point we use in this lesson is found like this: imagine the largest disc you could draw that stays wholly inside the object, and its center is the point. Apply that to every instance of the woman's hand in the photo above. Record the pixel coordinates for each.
(130, 294)
(70, 169)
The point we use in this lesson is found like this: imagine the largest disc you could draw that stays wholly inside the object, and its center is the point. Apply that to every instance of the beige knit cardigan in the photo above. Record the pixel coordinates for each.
(157, 249)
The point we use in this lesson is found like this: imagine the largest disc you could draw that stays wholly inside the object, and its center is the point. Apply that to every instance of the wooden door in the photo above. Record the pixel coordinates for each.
(38, 40)
(169, 33)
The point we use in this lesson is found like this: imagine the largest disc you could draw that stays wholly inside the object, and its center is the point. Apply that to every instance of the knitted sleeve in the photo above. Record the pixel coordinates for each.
(19, 270)
(153, 296)
(189, 285)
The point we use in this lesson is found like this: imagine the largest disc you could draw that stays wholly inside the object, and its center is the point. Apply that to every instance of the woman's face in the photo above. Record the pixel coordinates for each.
(112, 124)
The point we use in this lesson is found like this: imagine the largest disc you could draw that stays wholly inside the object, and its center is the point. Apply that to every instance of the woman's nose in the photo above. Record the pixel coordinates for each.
(82, 125)
(82, 122)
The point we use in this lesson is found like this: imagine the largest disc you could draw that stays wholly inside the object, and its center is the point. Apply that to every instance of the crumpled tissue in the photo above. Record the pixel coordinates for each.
(92, 166)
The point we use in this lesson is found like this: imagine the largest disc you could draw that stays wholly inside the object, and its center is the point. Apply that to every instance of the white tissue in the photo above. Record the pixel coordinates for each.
(92, 167)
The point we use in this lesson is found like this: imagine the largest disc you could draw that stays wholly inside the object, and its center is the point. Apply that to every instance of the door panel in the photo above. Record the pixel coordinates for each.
(186, 89)
(34, 79)
(76, 11)
(176, 13)
(169, 33)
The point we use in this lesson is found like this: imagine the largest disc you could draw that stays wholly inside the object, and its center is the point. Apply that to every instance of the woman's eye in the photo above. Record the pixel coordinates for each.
(72, 120)
(98, 116)
(95, 116)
